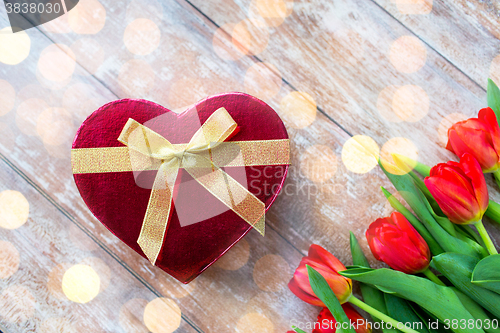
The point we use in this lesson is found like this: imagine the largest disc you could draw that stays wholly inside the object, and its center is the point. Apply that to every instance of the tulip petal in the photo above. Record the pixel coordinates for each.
(475, 142)
(487, 116)
(448, 191)
(417, 240)
(455, 202)
(455, 174)
(297, 291)
(326, 322)
(341, 286)
(319, 253)
(473, 171)
(394, 241)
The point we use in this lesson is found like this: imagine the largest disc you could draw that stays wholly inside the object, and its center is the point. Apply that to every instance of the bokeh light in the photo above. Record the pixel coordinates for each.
(88, 17)
(236, 257)
(223, 45)
(101, 268)
(401, 146)
(360, 154)
(298, 109)
(14, 209)
(14, 47)
(271, 13)
(142, 36)
(408, 54)
(81, 284)
(403, 103)
(254, 323)
(54, 280)
(57, 62)
(410, 103)
(414, 7)
(162, 315)
(250, 37)
(271, 273)
(9, 259)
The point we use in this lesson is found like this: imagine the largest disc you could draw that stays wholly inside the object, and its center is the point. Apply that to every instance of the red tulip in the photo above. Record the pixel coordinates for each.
(479, 137)
(328, 266)
(326, 322)
(459, 189)
(394, 241)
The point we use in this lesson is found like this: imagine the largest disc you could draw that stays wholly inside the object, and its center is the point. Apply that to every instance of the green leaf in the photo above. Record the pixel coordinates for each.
(475, 309)
(431, 242)
(444, 222)
(298, 330)
(414, 197)
(486, 274)
(358, 257)
(422, 187)
(323, 291)
(401, 310)
(494, 98)
(458, 269)
(385, 290)
(493, 211)
(438, 300)
(420, 168)
(467, 231)
(431, 322)
(371, 296)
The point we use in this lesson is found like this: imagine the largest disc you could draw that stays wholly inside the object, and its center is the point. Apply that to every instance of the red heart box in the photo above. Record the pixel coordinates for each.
(119, 200)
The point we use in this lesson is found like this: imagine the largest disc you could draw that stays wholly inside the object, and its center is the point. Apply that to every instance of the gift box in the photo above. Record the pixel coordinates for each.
(181, 189)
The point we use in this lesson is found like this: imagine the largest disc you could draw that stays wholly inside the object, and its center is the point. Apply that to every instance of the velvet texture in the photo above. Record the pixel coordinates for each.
(119, 200)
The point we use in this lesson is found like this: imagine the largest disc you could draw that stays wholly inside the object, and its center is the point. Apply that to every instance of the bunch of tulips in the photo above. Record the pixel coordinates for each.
(444, 273)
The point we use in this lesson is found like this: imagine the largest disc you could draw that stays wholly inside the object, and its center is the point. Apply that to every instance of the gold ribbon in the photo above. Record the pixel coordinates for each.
(202, 158)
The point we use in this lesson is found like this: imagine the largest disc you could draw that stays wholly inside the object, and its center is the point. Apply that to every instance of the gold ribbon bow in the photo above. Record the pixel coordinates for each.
(202, 158)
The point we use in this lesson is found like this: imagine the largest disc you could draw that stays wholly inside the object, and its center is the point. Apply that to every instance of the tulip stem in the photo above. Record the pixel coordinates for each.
(374, 312)
(433, 277)
(496, 176)
(486, 238)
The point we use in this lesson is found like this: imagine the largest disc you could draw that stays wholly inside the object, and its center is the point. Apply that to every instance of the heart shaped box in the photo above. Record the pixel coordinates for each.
(119, 199)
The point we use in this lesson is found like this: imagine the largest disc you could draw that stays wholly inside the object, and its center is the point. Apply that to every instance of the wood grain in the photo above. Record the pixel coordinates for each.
(338, 52)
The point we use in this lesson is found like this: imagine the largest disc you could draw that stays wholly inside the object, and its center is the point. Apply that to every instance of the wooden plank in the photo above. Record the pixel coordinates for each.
(340, 53)
(52, 174)
(315, 210)
(38, 258)
(464, 32)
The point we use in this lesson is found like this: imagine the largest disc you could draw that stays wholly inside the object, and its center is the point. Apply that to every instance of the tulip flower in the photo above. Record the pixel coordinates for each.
(326, 322)
(460, 191)
(479, 137)
(395, 241)
(328, 266)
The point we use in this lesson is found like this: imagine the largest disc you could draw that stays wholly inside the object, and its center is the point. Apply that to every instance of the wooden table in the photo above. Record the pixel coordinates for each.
(396, 73)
